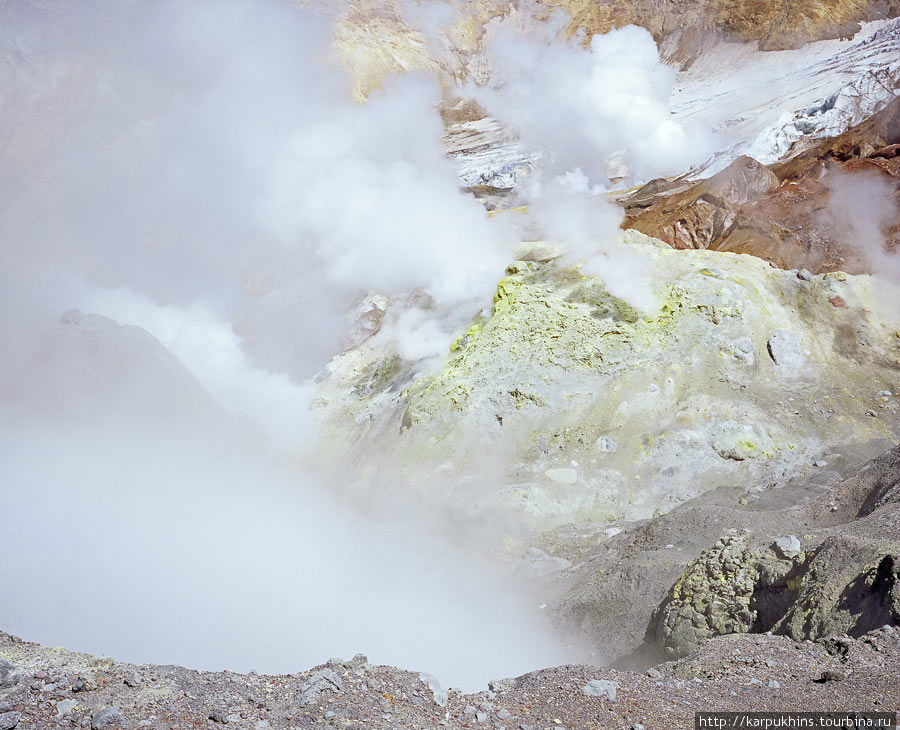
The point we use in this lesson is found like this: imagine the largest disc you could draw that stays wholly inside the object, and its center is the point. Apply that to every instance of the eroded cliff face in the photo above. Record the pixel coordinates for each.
(790, 213)
(584, 409)
(375, 37)
(776, 25)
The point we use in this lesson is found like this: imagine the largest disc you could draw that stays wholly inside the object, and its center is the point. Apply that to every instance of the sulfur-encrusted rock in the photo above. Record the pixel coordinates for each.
(711, 598)
(593, 410)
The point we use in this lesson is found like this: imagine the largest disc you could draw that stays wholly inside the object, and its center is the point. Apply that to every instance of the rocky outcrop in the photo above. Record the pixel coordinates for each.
(741, 374)
(727, 563)
(768, 673)
(375, 37)
(779, 213)
(775, 25)
(848, 585)
(711, 598)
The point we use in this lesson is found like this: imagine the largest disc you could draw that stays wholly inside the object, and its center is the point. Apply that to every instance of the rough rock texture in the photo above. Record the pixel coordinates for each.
(374, 37)
(772, 105)
(779, 213)
(8, 674)
(765, 673)
(711, 598)
(324, 681)
(662, 587)
(690, 393)
(848, 585)
(775, 25)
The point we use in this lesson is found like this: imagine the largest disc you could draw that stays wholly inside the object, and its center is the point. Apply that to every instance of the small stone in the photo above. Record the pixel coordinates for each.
(437, 690)
(742, 501)
(637, 726)
(218, 716)
(612, 531)
(65, 707)
(607, 445)
(84, 683)
(600, 688)
(470, 710)
(501, 685)
(884, 393)
(8, 720)
(773, 684)
(788, 546)
(8, 674)
(358, 660)
(233, 717)
(654, 673)
(821, 464)
(871, 413)
(804, 275)
(481, 716)
(328, 715)
(261, 725)
(108, 718)
(562, 476)
(323, 681)
(504, 714)
(785, 351)
(132, 679)
(831, 675)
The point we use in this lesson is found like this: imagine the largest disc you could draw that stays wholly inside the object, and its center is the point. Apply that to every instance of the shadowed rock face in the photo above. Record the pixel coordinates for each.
(662, 588)
(780, 212)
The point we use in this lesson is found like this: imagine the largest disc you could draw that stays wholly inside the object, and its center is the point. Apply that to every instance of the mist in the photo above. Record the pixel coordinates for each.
(862, 209)
(193, 206)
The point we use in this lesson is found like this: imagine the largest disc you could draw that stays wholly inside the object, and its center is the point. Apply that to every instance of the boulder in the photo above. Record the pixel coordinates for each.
(324, 681)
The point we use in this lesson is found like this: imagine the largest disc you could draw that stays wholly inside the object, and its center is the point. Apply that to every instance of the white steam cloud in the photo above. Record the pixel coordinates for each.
(192, 204)
(590, 109)
(862, 208)
(597, 115)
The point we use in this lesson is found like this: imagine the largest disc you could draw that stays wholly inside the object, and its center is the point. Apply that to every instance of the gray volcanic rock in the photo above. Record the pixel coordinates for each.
(324, 681)
(108, 718)
(769, 673)
(8, 674)
(711, 598)
(662, 587)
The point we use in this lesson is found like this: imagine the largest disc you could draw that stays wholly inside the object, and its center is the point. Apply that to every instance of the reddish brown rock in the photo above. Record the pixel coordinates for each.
(780, 212)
